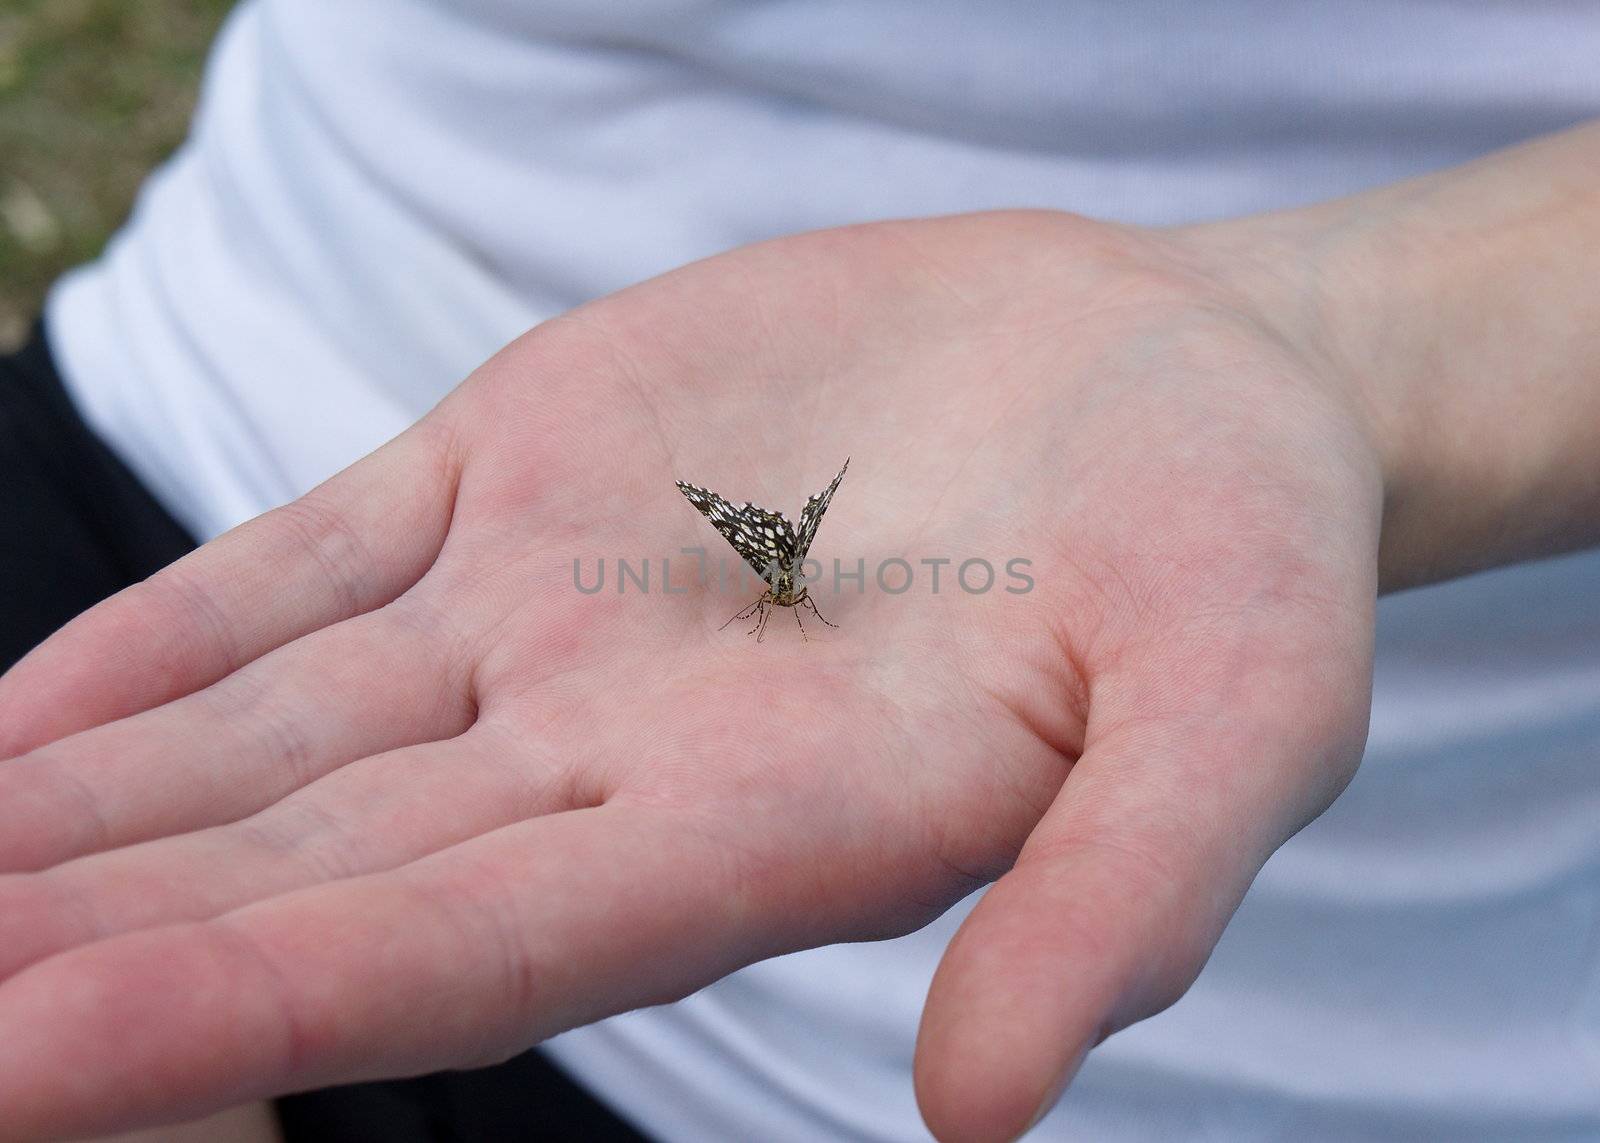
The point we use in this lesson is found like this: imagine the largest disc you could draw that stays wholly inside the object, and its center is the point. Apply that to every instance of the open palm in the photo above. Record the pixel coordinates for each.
(369, 786)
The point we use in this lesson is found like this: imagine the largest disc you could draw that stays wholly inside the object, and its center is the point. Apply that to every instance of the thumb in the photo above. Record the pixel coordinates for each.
(1124, 887)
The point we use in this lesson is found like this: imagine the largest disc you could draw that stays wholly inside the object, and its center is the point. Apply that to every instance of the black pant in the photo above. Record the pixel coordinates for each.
(75, 526)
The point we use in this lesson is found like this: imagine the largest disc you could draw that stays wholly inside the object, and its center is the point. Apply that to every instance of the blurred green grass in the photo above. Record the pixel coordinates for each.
(93, 93)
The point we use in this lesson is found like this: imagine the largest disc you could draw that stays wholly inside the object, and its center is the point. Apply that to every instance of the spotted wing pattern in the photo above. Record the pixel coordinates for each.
(811, 515)
(760, 535)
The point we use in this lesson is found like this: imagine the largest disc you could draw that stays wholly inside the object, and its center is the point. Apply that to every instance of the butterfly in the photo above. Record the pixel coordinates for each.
(771, 545)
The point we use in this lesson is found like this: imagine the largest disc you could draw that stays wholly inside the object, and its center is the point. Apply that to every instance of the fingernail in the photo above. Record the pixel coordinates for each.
(1053, 1094)
(1046, 1107)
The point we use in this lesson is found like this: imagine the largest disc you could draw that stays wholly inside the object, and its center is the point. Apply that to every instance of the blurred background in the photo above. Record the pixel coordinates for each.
(93, 93)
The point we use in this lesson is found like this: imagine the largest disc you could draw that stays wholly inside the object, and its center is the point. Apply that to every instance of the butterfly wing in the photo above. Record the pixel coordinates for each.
(760, 535)
(811, 516)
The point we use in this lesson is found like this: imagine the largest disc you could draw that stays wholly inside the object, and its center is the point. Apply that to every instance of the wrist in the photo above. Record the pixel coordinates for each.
(1316, 279)
(1457, 311)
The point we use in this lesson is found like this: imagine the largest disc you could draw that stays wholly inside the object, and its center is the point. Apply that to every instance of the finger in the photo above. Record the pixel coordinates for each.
(350, 545)
(1120, 893)
(371, 815)
(464, 957)
(241, 744)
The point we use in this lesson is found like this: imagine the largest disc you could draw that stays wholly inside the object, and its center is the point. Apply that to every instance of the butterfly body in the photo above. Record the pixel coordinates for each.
(769, 544)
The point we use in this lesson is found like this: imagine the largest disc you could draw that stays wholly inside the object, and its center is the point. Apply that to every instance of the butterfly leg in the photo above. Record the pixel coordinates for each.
(803, 638)
(746, 613)
(761, 619)
(815, 612)
(761, 627)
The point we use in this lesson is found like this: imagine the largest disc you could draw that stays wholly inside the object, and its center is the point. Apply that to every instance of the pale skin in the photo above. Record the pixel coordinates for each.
(366, 788)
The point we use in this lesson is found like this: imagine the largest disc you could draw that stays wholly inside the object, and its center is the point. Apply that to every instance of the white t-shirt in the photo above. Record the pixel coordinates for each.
(380, 193)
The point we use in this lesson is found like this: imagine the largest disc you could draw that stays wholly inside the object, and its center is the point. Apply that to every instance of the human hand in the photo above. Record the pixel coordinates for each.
(366, 787)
